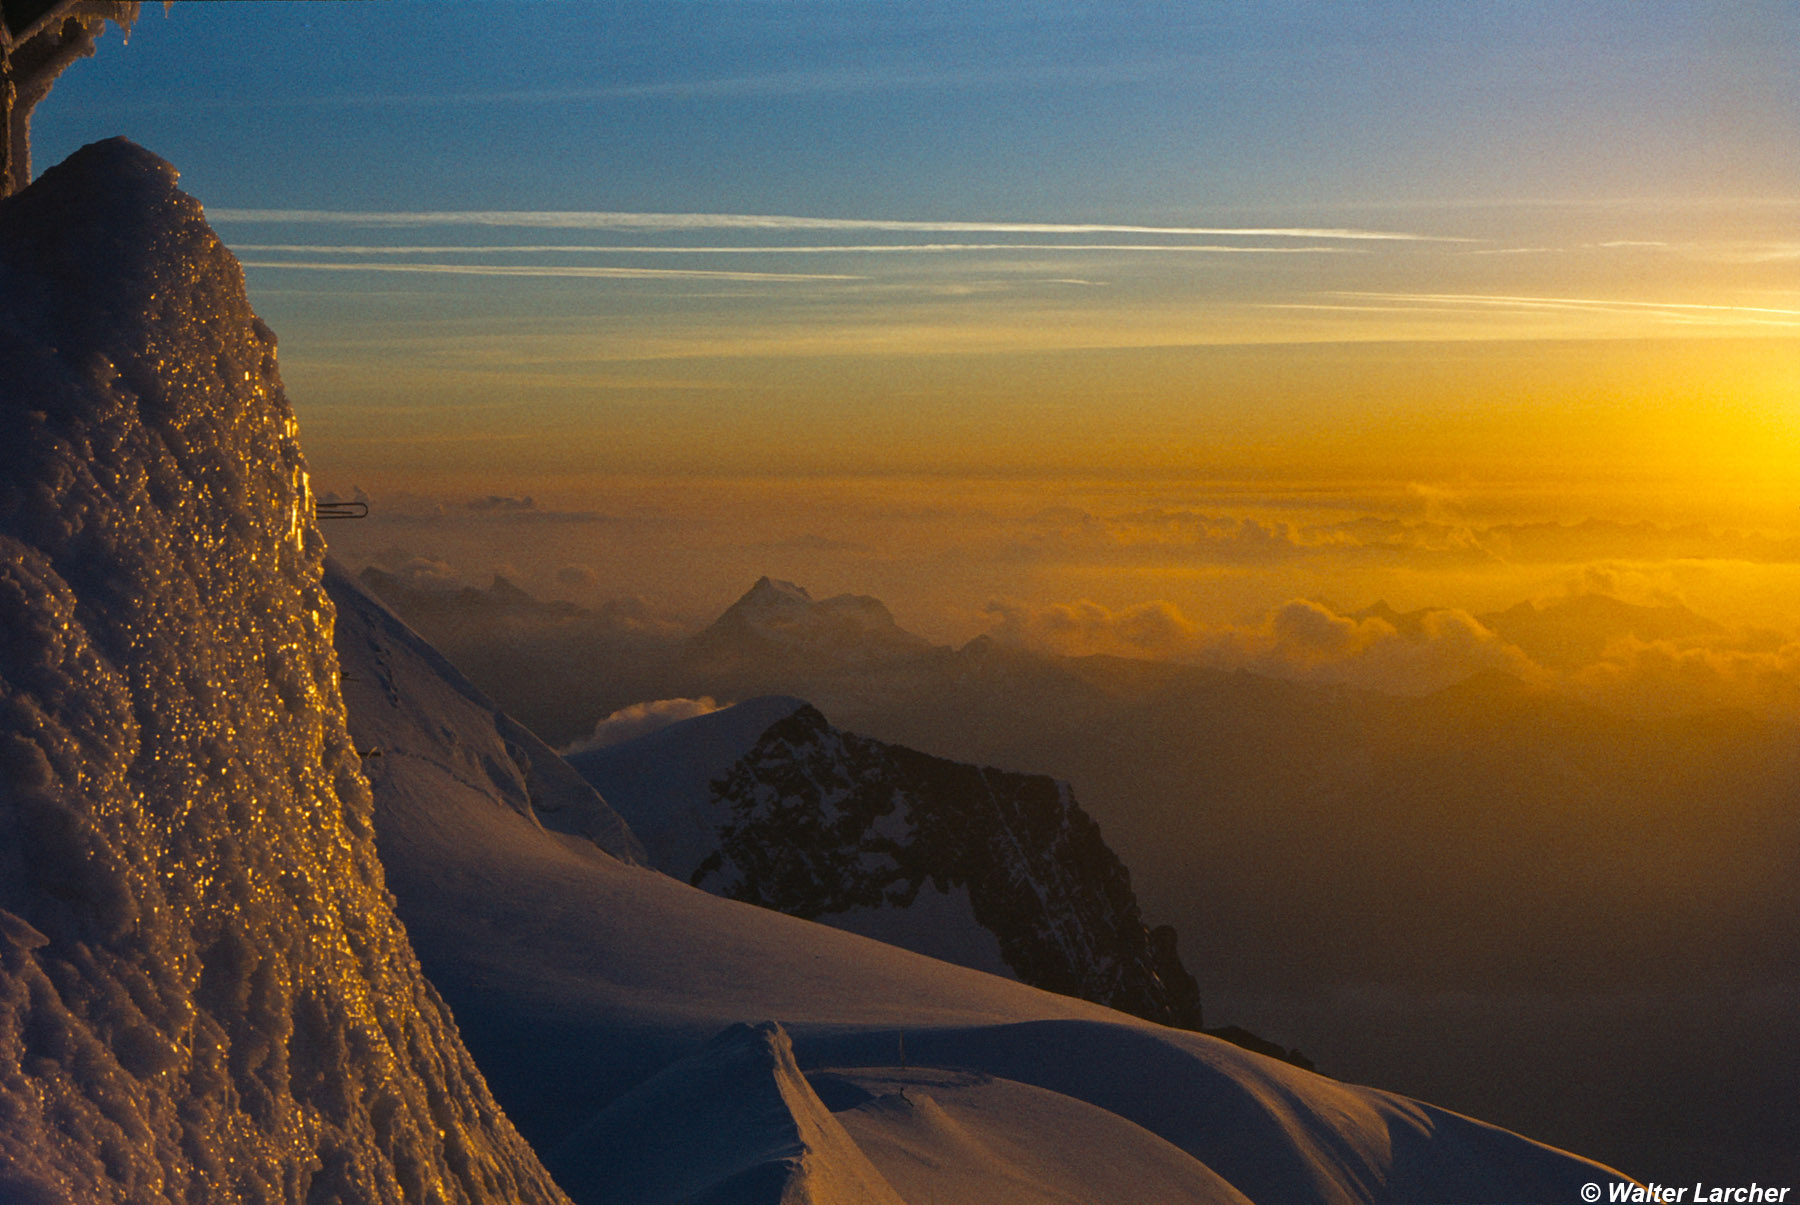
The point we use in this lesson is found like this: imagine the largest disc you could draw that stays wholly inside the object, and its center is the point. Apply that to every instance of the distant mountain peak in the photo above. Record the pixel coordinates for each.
(506, 592)
(780, 616)
(769, 591)
(427, 599)
(1569, 632)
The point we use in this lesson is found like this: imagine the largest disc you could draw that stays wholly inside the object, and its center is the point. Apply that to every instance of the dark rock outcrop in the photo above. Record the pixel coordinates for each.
(819, 822)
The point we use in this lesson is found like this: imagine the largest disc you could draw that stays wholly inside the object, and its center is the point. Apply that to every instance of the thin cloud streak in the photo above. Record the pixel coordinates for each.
(550, 270)
(812, 249)
(1502, 301)
(607, 220)
(1739, 252)
(790, 83)
(775, 84)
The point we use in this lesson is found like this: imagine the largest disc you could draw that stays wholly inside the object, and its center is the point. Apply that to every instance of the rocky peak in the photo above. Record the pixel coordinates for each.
(777, 617)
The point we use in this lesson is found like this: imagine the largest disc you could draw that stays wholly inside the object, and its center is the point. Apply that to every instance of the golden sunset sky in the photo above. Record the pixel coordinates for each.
(1180, 310)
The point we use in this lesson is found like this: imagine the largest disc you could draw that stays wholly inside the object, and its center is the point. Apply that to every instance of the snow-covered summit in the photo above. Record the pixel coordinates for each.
(205, 994)
(768, 803)
(664, 778)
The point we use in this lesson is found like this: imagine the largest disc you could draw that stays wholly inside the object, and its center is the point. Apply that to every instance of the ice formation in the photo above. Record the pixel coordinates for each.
(39, 39)
(205, 993)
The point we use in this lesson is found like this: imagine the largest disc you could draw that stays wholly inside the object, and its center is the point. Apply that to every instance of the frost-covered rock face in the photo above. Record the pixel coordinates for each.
(796, 815)
(205, 995)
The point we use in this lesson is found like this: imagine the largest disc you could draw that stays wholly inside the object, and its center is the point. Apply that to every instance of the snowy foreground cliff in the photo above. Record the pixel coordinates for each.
(205, 995)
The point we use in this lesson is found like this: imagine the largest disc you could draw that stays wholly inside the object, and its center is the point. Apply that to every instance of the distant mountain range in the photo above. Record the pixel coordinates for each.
(659, 1044)
(1314, 844)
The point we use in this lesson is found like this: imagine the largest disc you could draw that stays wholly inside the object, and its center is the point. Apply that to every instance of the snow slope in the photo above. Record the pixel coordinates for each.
(964, 1136)
(735, 1120)
(577, 978)
(768, 803)
(491, 753)
(661, 782)
(206, 996)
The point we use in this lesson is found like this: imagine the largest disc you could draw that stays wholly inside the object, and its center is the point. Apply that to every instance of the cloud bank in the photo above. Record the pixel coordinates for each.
(1707, 668)
(1302, 640)
(1164, 535)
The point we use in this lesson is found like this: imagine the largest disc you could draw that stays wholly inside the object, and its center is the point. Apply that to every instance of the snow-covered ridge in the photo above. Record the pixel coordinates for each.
(206, 995)
(628, 1022)
(734, 1121)
(411, 703)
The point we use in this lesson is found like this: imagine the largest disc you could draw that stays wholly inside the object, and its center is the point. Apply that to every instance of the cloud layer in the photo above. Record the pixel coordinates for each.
(1303, 640)
(1161, 534)
(1706, 667)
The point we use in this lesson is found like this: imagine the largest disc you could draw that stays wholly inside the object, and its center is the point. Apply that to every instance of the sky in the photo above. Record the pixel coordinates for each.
(991, 310)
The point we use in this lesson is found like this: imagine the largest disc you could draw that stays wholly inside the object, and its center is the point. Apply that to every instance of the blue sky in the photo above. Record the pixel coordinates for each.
(1142, 112)
(1367, 257)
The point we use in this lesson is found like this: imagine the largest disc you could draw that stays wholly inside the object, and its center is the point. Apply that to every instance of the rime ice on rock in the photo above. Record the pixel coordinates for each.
(204, 993)
(39, 39)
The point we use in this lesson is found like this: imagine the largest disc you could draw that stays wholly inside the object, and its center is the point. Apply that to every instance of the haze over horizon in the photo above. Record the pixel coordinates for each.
(987, 313)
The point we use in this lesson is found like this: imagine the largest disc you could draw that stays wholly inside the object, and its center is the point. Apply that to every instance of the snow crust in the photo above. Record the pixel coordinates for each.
(582, 983)
(206, 996)
(734, 1121)
(964, 1138)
